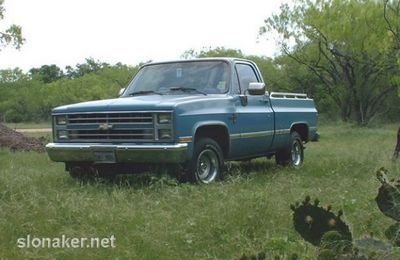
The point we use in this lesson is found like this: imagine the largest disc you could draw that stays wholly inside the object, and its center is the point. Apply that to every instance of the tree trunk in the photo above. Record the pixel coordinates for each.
(397, 149)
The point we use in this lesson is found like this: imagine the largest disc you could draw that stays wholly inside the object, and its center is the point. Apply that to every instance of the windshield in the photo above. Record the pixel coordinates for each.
(197, 77)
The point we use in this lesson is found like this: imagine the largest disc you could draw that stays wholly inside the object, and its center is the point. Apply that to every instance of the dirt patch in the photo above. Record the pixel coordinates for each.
(18, 142)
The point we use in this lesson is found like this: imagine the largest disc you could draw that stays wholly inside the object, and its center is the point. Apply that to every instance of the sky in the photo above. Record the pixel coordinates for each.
(65, 32)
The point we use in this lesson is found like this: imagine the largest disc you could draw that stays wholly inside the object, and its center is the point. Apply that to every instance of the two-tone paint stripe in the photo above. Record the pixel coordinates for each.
(188, 139)
(251, 134)
(259, 134)
(282, 131)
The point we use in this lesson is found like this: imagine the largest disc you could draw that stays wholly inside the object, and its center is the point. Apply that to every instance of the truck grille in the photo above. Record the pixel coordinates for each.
(111, 127)
(110, 118)
(112, 135)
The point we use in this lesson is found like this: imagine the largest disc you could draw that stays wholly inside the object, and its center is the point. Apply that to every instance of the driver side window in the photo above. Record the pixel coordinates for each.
(246, 75)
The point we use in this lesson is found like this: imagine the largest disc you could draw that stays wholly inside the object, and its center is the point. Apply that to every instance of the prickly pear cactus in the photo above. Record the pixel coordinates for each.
(393, 234)
(333, 241)
(312, 221)
(334, 247)
(327, 254)
(388, 198)
(372, 248)
(397, 149)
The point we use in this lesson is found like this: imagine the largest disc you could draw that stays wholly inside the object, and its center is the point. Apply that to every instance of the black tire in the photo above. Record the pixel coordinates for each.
(207, 162)
(78, 172)
(294, 155)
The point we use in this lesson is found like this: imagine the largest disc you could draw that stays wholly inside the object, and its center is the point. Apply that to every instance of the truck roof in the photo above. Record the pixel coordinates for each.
(227, 59)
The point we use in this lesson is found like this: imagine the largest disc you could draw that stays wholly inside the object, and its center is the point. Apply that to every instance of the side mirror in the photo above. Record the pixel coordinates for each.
(121, 91)
(256, 88)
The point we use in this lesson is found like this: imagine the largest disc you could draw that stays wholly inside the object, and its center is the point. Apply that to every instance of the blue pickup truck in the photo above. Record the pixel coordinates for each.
(194, 113)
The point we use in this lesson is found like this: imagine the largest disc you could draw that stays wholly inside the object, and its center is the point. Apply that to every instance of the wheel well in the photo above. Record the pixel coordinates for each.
(302, 129)
(218, 133)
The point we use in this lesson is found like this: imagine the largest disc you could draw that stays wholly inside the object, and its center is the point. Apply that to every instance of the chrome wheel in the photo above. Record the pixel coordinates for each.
(293, 155)
(297, 153)
(207, 166)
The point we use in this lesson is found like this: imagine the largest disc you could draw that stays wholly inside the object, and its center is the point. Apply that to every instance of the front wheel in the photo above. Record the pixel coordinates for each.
(294, 154)
(206, 164)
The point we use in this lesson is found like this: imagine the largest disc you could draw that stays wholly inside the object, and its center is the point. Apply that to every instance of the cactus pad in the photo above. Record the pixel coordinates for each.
(388, 198)
(397, 149)
(373, 248)
(393, 234)
(312, 221)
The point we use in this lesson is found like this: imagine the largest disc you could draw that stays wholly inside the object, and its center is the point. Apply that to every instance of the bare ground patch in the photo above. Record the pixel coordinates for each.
(18, 142)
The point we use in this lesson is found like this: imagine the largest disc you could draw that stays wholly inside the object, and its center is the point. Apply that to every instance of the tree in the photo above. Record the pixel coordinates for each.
(90, 65)
(345, 44)
(47, 73)
(210, 52)
(11, 75)
(392, 17)
(391, 13)
(26, 96)
(397, 149)
(12, 35)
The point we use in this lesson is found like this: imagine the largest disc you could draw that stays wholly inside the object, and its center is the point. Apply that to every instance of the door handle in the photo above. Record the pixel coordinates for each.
(265, 101)
(233, 118)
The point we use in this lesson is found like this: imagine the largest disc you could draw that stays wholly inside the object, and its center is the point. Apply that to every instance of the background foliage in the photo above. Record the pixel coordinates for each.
(343, 53)
(31, 96)
(350, 46)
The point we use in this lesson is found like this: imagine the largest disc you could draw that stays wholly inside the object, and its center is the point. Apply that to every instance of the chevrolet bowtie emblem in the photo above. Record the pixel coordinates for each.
(105, 127)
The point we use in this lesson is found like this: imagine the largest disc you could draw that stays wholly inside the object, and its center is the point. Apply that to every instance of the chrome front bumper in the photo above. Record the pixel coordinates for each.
(118, 153)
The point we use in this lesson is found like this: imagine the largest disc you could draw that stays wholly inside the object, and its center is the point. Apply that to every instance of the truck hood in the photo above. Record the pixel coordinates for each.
(138, 103)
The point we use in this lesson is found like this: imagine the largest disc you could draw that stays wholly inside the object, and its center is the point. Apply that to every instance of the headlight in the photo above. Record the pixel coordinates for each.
(164, 134)
(62, 134)
(164, 118)
(61, 120)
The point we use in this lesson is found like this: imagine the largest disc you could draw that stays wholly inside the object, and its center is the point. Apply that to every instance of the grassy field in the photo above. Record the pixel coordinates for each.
(32, 125)
(155, 217)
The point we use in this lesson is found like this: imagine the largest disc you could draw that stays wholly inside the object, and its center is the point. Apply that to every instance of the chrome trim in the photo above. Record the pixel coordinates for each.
(235, 136)
(251, 134)
(117, 146)
(91, 124)
(133, 153)
(282, 131)
(287, 95)
(110, 112)
(257, 134)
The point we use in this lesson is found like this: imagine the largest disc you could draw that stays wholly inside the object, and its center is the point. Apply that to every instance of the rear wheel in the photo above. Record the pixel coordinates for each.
(206, 164)
(294, 154)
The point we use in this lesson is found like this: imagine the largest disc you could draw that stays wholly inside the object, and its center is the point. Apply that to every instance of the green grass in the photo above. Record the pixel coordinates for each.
(29, 125)
(154, 217)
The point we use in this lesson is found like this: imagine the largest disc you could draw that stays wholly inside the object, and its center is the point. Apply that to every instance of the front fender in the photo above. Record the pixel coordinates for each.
(196, 127)
(208, 123)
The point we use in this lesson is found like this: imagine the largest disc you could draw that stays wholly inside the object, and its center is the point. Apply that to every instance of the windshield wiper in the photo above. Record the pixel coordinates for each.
(144, 92)
(184, 89)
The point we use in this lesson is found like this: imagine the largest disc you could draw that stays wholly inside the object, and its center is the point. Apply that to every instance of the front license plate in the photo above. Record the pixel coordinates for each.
(105, 157)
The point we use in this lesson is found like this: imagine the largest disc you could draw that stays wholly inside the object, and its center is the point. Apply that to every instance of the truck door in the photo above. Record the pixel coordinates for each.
(255, 117)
